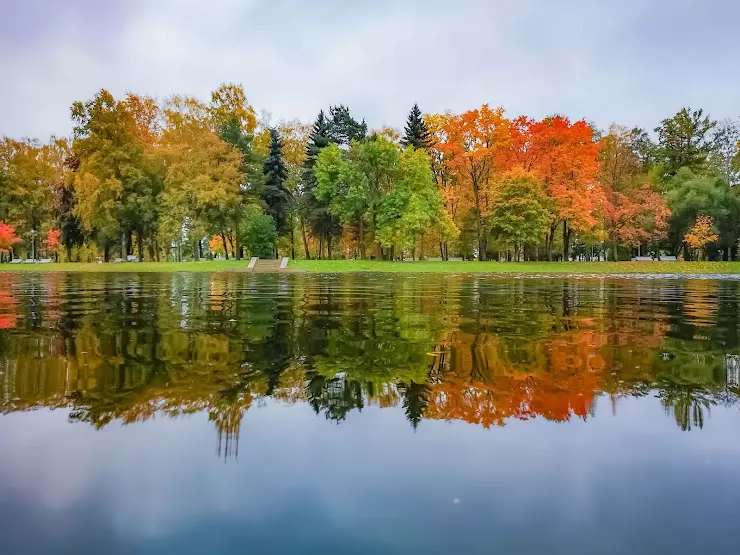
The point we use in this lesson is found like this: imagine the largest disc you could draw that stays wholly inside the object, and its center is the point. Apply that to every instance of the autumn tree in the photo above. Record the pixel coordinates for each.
(473, 145)
(119, 179)
(701, 234)
(52, 242)
(416, 133)
(632, 211)
(520, 214)
(8, 238)
(203, 184)
(31, 172)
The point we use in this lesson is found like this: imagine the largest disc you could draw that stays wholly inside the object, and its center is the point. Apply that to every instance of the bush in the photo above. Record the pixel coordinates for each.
(260, 234)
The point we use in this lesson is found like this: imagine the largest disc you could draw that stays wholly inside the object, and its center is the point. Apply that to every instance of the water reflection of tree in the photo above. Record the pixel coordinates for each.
(118, 347)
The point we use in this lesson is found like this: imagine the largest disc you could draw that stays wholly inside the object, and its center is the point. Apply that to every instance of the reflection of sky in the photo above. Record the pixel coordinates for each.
(630, 483)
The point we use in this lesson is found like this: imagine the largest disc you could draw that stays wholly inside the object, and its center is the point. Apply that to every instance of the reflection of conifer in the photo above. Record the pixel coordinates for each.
(415, 400)
(336, 397)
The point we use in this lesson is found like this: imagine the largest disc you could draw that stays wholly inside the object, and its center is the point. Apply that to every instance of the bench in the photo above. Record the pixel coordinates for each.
(643, 259)
(668, 259)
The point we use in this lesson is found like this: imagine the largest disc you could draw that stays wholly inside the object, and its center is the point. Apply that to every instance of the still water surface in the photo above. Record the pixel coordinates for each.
(303, 413)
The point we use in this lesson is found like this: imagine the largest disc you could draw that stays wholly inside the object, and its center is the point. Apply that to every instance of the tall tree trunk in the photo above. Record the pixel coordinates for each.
(124, 250)
(421, 247)
(68, 248)
(139, 246)
(441, 250)
(321, 246)
(565, 240)
(150, 249)
(292, 240)
(328, 247)
(226, 247)
(361, 236)
(156, 248)
(305, 239)
(550, 239)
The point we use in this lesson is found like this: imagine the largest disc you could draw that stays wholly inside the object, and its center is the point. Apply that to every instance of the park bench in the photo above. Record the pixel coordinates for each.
(668, 259)
(16, 261)
(643, 259)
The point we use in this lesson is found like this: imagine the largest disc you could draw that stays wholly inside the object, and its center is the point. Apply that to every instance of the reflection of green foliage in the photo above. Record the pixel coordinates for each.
(128, 347)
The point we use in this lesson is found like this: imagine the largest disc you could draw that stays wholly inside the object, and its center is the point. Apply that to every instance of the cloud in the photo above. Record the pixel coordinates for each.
(633, 62)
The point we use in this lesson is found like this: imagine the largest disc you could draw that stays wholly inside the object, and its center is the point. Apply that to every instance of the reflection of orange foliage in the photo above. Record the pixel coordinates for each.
(7, 306)
(563, 387)
(700, 302)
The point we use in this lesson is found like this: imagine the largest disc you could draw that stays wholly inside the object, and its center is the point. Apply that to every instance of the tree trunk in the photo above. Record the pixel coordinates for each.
(550, 239)
(226, 247)
(150, 248)
(156, 249)
(361, 237)
(321, 245)
(328, 247)
(139, 246)
(565, 240)
(69, 253)
(124, 251)
(305, 239)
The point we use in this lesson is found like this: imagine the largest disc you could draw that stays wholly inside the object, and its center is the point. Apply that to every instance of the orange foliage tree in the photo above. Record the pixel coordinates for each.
(564, 156)
(8, 238)
(473, 146)
(701, 234)
(53, 241)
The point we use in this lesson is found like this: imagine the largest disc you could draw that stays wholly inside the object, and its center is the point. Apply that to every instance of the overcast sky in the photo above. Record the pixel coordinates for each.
(632, 62)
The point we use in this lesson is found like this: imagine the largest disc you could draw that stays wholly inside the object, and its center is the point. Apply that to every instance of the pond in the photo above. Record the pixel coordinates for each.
(368, 413)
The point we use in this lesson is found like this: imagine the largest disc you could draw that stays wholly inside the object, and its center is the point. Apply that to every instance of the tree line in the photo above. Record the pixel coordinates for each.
(187, 179)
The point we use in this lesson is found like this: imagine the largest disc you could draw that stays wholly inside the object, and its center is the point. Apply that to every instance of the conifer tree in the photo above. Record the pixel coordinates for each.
(274, 193)
(416, 132)
(314, 211)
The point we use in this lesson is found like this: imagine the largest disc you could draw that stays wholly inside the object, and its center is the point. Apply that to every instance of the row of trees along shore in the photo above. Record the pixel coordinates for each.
(186, 179)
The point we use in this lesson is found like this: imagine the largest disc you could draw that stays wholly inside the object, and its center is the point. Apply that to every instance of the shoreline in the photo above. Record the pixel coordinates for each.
(370, 266)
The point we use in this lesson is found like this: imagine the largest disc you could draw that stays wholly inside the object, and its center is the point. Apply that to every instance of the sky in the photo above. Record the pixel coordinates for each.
(632, 62)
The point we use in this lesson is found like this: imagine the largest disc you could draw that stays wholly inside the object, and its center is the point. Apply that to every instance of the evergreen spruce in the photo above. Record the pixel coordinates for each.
(416, 132)
(343, 128)
(316, 212)
(274, 193)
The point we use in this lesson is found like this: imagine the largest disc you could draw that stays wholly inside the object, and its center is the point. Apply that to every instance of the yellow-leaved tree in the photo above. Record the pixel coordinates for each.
(701, 235)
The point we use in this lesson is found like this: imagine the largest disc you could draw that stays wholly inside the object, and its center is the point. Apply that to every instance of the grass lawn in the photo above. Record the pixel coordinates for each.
(343, 266)
(202, 266)
(519, 267)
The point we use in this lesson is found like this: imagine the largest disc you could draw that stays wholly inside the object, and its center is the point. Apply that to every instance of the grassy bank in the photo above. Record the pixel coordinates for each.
(519, 267)
(344, 266)
(202, 266)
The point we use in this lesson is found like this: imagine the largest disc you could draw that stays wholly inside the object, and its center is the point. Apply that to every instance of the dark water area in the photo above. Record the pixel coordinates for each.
(334, 414)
